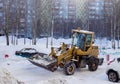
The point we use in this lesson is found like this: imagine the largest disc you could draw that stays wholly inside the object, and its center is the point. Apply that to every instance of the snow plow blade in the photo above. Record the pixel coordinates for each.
(44, 61)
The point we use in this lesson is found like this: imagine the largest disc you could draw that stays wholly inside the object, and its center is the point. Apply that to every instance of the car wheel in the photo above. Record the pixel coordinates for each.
(113, 76)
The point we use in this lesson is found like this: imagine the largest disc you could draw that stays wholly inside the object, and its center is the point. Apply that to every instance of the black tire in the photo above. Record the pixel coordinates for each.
(113, 76)
(54, 68)
(93, 64)
(69, 68)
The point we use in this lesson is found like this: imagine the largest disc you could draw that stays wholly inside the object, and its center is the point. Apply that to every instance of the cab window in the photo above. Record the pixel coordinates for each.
(88, 39)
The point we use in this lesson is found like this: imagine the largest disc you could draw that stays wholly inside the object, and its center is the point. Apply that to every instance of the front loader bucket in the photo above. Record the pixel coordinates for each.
(44, 61)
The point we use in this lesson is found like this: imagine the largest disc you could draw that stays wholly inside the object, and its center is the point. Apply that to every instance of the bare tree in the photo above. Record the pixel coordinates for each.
(34, 22)
(115, 22)
(7, 5)
(118, 22)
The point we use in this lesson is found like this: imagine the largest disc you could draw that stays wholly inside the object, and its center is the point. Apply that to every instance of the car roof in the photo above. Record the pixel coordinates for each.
(83, 31)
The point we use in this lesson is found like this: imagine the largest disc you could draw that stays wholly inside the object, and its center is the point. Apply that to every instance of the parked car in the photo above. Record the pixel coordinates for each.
(26, 52)
(113, 70)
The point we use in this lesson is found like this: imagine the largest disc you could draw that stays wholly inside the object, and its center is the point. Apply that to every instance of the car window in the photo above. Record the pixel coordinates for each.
(88, 39)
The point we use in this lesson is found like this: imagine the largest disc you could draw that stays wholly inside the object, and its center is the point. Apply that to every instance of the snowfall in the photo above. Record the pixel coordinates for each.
(18, 70)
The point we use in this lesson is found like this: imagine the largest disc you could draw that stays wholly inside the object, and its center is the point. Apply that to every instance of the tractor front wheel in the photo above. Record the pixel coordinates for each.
(69, 68)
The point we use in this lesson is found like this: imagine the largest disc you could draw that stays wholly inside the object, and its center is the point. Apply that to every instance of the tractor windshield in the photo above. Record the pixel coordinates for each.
(79, 40)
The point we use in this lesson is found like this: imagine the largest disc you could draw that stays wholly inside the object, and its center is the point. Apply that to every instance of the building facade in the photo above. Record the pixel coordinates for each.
(64, 16)
(82, 14)
(29, 18)
(96, 16)
(22, 17)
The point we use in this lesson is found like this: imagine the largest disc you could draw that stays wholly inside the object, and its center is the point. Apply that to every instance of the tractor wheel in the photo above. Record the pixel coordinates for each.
(113, 76)
(93, 64)
(69, 68)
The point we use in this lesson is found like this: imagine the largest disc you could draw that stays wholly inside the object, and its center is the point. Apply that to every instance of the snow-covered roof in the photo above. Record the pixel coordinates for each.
(82, 31)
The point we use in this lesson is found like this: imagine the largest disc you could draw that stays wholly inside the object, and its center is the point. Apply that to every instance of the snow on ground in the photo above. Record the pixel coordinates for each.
(6, 78)
(20, 69)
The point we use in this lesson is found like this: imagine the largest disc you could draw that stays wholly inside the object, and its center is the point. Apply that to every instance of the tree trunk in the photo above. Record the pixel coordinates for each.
(6, 35)
(47, 42)
(52, 30)
(6, 29)
(118, 37)
(34, 23)
(7, 39)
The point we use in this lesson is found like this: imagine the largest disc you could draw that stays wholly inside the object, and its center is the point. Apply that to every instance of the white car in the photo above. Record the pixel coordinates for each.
(113, 70)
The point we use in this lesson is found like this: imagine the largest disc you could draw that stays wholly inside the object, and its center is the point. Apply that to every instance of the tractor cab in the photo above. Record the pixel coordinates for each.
(82, 39)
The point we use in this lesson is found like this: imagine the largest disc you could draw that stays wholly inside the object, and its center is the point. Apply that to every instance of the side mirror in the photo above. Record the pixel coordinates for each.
(93, 41)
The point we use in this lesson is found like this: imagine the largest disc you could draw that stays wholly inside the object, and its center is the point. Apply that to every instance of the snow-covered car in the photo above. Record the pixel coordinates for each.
(26, 52)
(113, 70)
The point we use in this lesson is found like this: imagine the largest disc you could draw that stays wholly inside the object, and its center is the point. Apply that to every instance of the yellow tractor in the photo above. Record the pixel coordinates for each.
(80, 53)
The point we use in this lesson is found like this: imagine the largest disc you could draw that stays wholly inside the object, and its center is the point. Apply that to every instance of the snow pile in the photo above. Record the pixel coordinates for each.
(6, 78)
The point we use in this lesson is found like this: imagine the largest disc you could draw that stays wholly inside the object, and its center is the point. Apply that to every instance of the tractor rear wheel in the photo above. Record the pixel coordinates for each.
(69, 68)
(93, 64)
